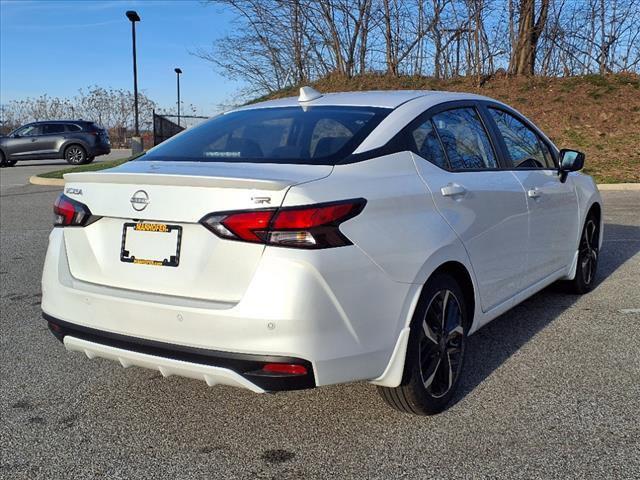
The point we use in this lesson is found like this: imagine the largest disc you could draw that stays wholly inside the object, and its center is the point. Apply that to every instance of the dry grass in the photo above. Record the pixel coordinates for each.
(599, 115)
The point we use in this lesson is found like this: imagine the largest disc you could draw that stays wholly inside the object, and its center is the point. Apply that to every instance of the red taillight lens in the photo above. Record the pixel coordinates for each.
(313, 226)
(309, 217)
(285, 368)
(68, 212)
(248, 226)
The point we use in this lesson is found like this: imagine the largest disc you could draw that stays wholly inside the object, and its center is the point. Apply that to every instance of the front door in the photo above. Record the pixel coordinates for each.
(553, 205)
(24, 143)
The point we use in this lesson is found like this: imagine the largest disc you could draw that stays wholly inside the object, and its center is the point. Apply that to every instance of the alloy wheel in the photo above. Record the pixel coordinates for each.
(589, 251)
(75, 155)
(441, 344)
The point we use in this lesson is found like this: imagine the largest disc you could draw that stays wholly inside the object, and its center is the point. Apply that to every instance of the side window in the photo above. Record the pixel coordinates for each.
(524, 146)
(72, 127)
(50, 128)
(464, 139)
(427, 144)
(30, 131)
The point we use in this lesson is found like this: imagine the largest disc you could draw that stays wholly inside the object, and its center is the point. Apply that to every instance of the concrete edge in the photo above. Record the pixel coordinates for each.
(619, 186)
(59, 182)
(51, 182)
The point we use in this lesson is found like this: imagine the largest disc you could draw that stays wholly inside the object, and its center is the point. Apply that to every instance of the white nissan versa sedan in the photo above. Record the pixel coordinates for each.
(319, 240)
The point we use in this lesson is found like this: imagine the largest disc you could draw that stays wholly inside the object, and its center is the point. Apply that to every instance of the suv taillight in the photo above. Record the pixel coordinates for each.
(310, 226)
(68, 212)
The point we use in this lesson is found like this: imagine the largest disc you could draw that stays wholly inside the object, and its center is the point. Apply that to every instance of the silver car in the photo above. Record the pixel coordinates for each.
(77, 141)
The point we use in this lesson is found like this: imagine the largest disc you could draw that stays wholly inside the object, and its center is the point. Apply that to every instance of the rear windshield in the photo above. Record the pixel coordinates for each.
(311, 135)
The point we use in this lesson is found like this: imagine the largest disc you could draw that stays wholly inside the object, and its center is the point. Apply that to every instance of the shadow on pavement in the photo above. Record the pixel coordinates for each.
(490, 347)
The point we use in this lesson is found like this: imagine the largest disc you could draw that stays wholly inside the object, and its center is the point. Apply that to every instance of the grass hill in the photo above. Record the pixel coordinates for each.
(599, 115)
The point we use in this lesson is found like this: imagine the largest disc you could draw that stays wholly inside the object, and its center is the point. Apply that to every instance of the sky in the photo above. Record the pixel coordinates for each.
(57, 47)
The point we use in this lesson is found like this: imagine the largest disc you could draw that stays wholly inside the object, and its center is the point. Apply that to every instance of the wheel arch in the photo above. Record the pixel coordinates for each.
(393, 373)
(460, 273)
(72, 142)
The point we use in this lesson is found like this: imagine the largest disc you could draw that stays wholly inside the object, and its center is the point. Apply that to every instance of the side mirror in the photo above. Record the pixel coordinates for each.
(570, 161)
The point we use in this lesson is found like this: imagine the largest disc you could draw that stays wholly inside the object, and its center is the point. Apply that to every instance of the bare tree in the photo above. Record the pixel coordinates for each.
(530, 27)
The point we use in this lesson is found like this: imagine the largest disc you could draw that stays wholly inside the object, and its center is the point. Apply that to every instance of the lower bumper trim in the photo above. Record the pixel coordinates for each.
(153, 354)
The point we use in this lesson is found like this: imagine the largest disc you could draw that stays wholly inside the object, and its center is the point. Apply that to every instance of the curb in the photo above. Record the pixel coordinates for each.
(58, 182)
(619, 186)
(51, 182)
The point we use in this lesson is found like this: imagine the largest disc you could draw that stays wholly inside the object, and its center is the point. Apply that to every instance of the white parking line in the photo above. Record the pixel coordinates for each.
(629, 310)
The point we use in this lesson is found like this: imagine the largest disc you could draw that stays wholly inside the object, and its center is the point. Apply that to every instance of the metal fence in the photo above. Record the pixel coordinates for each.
(166, 126)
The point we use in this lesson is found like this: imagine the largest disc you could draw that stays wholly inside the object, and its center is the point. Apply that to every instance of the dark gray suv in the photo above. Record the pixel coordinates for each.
(77, 141)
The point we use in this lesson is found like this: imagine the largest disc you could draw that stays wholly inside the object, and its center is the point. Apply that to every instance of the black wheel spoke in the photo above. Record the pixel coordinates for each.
(441, 343)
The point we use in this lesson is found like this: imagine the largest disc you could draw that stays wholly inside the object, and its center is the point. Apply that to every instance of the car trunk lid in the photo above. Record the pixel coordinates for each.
(177, 195)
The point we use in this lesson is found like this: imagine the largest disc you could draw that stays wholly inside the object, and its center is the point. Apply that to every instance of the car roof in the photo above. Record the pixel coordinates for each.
(60, 121)
(372, 98)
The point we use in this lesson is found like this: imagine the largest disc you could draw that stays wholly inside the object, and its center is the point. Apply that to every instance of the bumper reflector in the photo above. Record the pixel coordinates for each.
(285, 369)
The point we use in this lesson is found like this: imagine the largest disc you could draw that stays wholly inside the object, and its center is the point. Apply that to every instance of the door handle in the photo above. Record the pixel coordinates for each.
(452, 190)
(534, 193)
(34, 139)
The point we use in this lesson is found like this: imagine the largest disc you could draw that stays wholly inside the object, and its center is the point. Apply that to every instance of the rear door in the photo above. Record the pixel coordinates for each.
(51, 139)
(553, 205)
(485, 205)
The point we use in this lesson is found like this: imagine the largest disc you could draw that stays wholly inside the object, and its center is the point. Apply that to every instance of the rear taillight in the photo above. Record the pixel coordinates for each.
(311, 226)
(68, 212)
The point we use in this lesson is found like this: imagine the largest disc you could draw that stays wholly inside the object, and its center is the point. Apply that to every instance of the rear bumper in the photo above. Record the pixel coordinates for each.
(235, 369)
(302, 305)
(100, 149)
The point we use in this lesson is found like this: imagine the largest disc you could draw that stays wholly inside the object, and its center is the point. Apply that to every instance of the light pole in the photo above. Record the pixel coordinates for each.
(178, 72)
(133, 18)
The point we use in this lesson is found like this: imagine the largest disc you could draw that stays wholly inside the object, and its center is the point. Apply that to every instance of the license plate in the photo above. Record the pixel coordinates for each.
(156, 244)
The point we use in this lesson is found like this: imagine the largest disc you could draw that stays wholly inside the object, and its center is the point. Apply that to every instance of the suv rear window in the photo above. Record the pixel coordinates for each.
(50, 128)
(310, 135)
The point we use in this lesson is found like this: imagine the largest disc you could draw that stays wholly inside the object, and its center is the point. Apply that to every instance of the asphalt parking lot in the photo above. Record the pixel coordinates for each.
(550, 390)
(18, 175)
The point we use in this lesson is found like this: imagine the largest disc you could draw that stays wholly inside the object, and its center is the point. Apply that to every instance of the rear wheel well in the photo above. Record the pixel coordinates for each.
(458, 271)
(596, 211)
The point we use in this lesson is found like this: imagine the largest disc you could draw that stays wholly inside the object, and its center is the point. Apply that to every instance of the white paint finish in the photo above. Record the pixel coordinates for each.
(553, 222)
(405, 113)
(167, 367)
(380, 98)
(348, 309)
(262, 176)
(490, 217)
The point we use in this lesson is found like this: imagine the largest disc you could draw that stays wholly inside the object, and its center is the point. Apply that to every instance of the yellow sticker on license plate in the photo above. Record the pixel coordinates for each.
(151, 227)
(155, 244)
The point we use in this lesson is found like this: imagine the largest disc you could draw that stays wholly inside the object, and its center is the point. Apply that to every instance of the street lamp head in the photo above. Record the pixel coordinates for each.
(133, 15)
(177, 70)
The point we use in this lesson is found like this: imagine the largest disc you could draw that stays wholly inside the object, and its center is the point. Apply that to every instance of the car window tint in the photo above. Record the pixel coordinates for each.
(522, 143)
(427, 144)
(548, 156)
(328, 128)
(465, 140)
(30, 130)
(307, 135)
(53, 128)
(72, 127)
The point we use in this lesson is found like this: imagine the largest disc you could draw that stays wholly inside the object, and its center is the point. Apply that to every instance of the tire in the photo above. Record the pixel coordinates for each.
(75, 155)
(587, 257)
(4, 162)
(434, 361)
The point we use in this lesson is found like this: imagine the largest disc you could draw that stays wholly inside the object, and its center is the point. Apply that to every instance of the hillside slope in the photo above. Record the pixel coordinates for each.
(595, 114)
